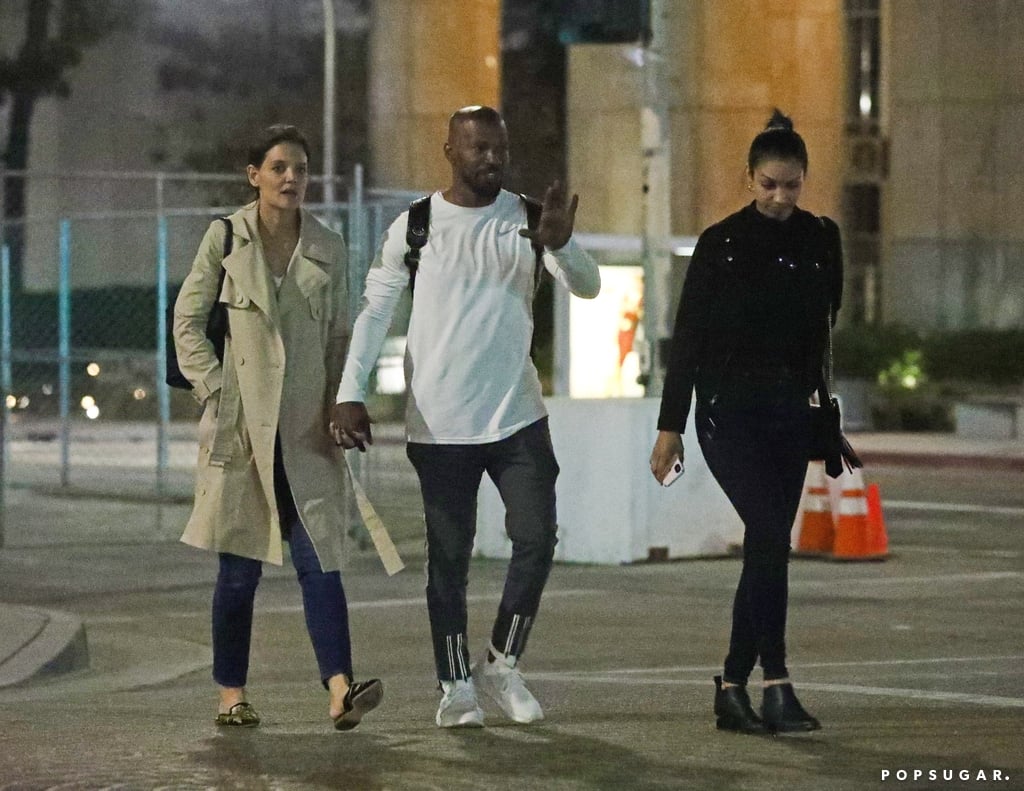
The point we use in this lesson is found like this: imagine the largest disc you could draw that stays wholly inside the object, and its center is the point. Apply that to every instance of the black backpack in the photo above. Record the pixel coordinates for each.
(418, 230)
(216, 324)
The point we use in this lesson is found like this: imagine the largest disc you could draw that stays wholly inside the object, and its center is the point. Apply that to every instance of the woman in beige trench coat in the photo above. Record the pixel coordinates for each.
(268, 469)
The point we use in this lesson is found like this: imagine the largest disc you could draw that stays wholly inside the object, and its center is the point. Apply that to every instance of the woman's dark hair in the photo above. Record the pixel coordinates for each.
(777, 141)
(270, 137)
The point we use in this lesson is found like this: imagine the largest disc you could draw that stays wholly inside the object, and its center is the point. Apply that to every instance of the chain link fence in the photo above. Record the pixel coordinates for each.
(85, 287)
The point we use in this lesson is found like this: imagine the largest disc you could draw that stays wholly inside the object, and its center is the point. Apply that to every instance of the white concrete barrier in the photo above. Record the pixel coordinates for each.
(610, 508)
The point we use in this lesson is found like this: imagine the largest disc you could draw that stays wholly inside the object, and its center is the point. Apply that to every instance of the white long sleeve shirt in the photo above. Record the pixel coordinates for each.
(467, 362)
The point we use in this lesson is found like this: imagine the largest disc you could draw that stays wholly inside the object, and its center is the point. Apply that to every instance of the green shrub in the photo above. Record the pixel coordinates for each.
(979, 357)
(925, 408)
(984, 357)
(862, 352)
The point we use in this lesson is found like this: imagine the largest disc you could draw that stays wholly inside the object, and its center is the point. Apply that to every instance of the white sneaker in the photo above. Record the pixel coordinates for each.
(459, 707)
(502, 682)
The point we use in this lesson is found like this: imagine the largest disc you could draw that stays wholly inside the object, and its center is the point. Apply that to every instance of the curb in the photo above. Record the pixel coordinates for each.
(47, 642)
(943, 460)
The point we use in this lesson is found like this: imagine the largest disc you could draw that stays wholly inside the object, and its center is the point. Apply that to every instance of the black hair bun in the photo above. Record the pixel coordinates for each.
(779, 121)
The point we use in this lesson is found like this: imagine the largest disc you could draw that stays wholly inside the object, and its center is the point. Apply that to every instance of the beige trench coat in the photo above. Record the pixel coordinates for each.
(282, 363)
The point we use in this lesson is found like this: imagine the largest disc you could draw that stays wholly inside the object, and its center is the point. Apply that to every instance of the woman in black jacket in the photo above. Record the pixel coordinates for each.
(749, 337)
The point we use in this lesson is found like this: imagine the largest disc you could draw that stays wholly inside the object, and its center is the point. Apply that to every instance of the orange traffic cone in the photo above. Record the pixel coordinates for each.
(816, 529)
(851, 542)
(878, 538)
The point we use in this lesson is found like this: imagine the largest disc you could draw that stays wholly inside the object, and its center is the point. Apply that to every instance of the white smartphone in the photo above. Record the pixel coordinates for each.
(673, 473)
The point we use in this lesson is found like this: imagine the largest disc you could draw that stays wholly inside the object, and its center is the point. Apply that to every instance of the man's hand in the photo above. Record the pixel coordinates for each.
(350, 425)
(557, 217)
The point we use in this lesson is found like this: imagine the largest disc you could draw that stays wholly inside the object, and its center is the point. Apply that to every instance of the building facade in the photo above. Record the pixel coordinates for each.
(911, 110)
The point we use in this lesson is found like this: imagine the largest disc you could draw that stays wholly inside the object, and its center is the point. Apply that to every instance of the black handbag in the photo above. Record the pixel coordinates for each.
(216, 323)
(828, 443)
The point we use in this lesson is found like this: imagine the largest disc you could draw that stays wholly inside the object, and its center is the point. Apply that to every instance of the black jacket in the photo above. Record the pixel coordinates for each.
(755, 302)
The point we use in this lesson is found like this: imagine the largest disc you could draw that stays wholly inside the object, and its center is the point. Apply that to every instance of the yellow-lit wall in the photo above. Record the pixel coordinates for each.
(755, 55)
(428, 58)
(728, 64)
(952, 227)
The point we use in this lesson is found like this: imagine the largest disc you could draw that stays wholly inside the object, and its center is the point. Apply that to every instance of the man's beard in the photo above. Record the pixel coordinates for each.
(487, 189)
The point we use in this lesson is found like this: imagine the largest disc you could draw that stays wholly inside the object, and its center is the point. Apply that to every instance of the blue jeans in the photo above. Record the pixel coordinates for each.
(323, 600)
(524, 469)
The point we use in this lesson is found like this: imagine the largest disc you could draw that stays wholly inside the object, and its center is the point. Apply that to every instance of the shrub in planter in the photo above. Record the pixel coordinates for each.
(925, 408)
(982, 357)
(862, 351)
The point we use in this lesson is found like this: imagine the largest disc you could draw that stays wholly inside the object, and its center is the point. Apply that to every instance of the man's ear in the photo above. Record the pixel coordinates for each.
(448, 151)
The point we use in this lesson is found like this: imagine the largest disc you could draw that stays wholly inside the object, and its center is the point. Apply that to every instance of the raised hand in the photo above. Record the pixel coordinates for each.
(556, 218)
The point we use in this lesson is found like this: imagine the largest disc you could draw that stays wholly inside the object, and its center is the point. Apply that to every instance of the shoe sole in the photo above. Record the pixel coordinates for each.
(727, 724)
(235, 724)
(496, 699)
(247, 719)
(362, 703)
(466, 721)
(794, 727)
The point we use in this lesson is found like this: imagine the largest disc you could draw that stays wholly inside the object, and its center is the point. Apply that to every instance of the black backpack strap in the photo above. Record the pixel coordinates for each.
(416, 233)
(418, 228)
(533, 211)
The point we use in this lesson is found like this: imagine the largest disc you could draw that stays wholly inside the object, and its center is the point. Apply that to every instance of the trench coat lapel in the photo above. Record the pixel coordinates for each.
(309, 267)
(247, 268)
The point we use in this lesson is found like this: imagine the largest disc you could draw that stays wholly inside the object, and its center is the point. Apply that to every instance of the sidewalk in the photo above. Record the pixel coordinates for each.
(35, 643)
(937, 450)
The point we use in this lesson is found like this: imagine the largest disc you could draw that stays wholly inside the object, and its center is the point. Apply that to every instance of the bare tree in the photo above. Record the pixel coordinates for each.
(56, 32)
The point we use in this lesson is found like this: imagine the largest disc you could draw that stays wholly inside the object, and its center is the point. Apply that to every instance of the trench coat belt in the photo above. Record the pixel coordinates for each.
(227, 414)
(375, 526)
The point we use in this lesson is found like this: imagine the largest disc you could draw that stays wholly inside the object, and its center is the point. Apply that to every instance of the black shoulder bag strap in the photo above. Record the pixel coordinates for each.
(228, 239)
(217, 323)
(826, 383)
(826, 374)
(416, 236)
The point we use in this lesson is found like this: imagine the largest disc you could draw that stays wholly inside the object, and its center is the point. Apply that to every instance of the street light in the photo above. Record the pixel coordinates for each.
(329, 36)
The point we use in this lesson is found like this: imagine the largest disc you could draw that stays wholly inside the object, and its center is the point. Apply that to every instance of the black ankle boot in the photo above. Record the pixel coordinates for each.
(733, 710)
(782, 711)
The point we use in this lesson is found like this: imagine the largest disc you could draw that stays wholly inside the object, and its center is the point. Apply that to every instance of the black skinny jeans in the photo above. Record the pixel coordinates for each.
(759, 458)
(524, 470)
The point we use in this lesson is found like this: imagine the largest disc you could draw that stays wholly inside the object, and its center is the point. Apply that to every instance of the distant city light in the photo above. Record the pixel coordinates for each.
(634, 55)
(11, 401)
(93, 369)
(491, 62)
(865, 104)
(47, 389)
(138, 393)
(87, 402)
(92, 412)
(23, 402)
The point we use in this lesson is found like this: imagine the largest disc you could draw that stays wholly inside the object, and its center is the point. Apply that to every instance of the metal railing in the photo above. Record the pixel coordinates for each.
(89, 327)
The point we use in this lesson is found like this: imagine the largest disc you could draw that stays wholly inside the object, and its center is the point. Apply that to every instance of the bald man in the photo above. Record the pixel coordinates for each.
(474, 400)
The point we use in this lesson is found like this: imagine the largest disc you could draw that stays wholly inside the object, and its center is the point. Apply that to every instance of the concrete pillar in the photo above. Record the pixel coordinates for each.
(730, 63)
(427, 59)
